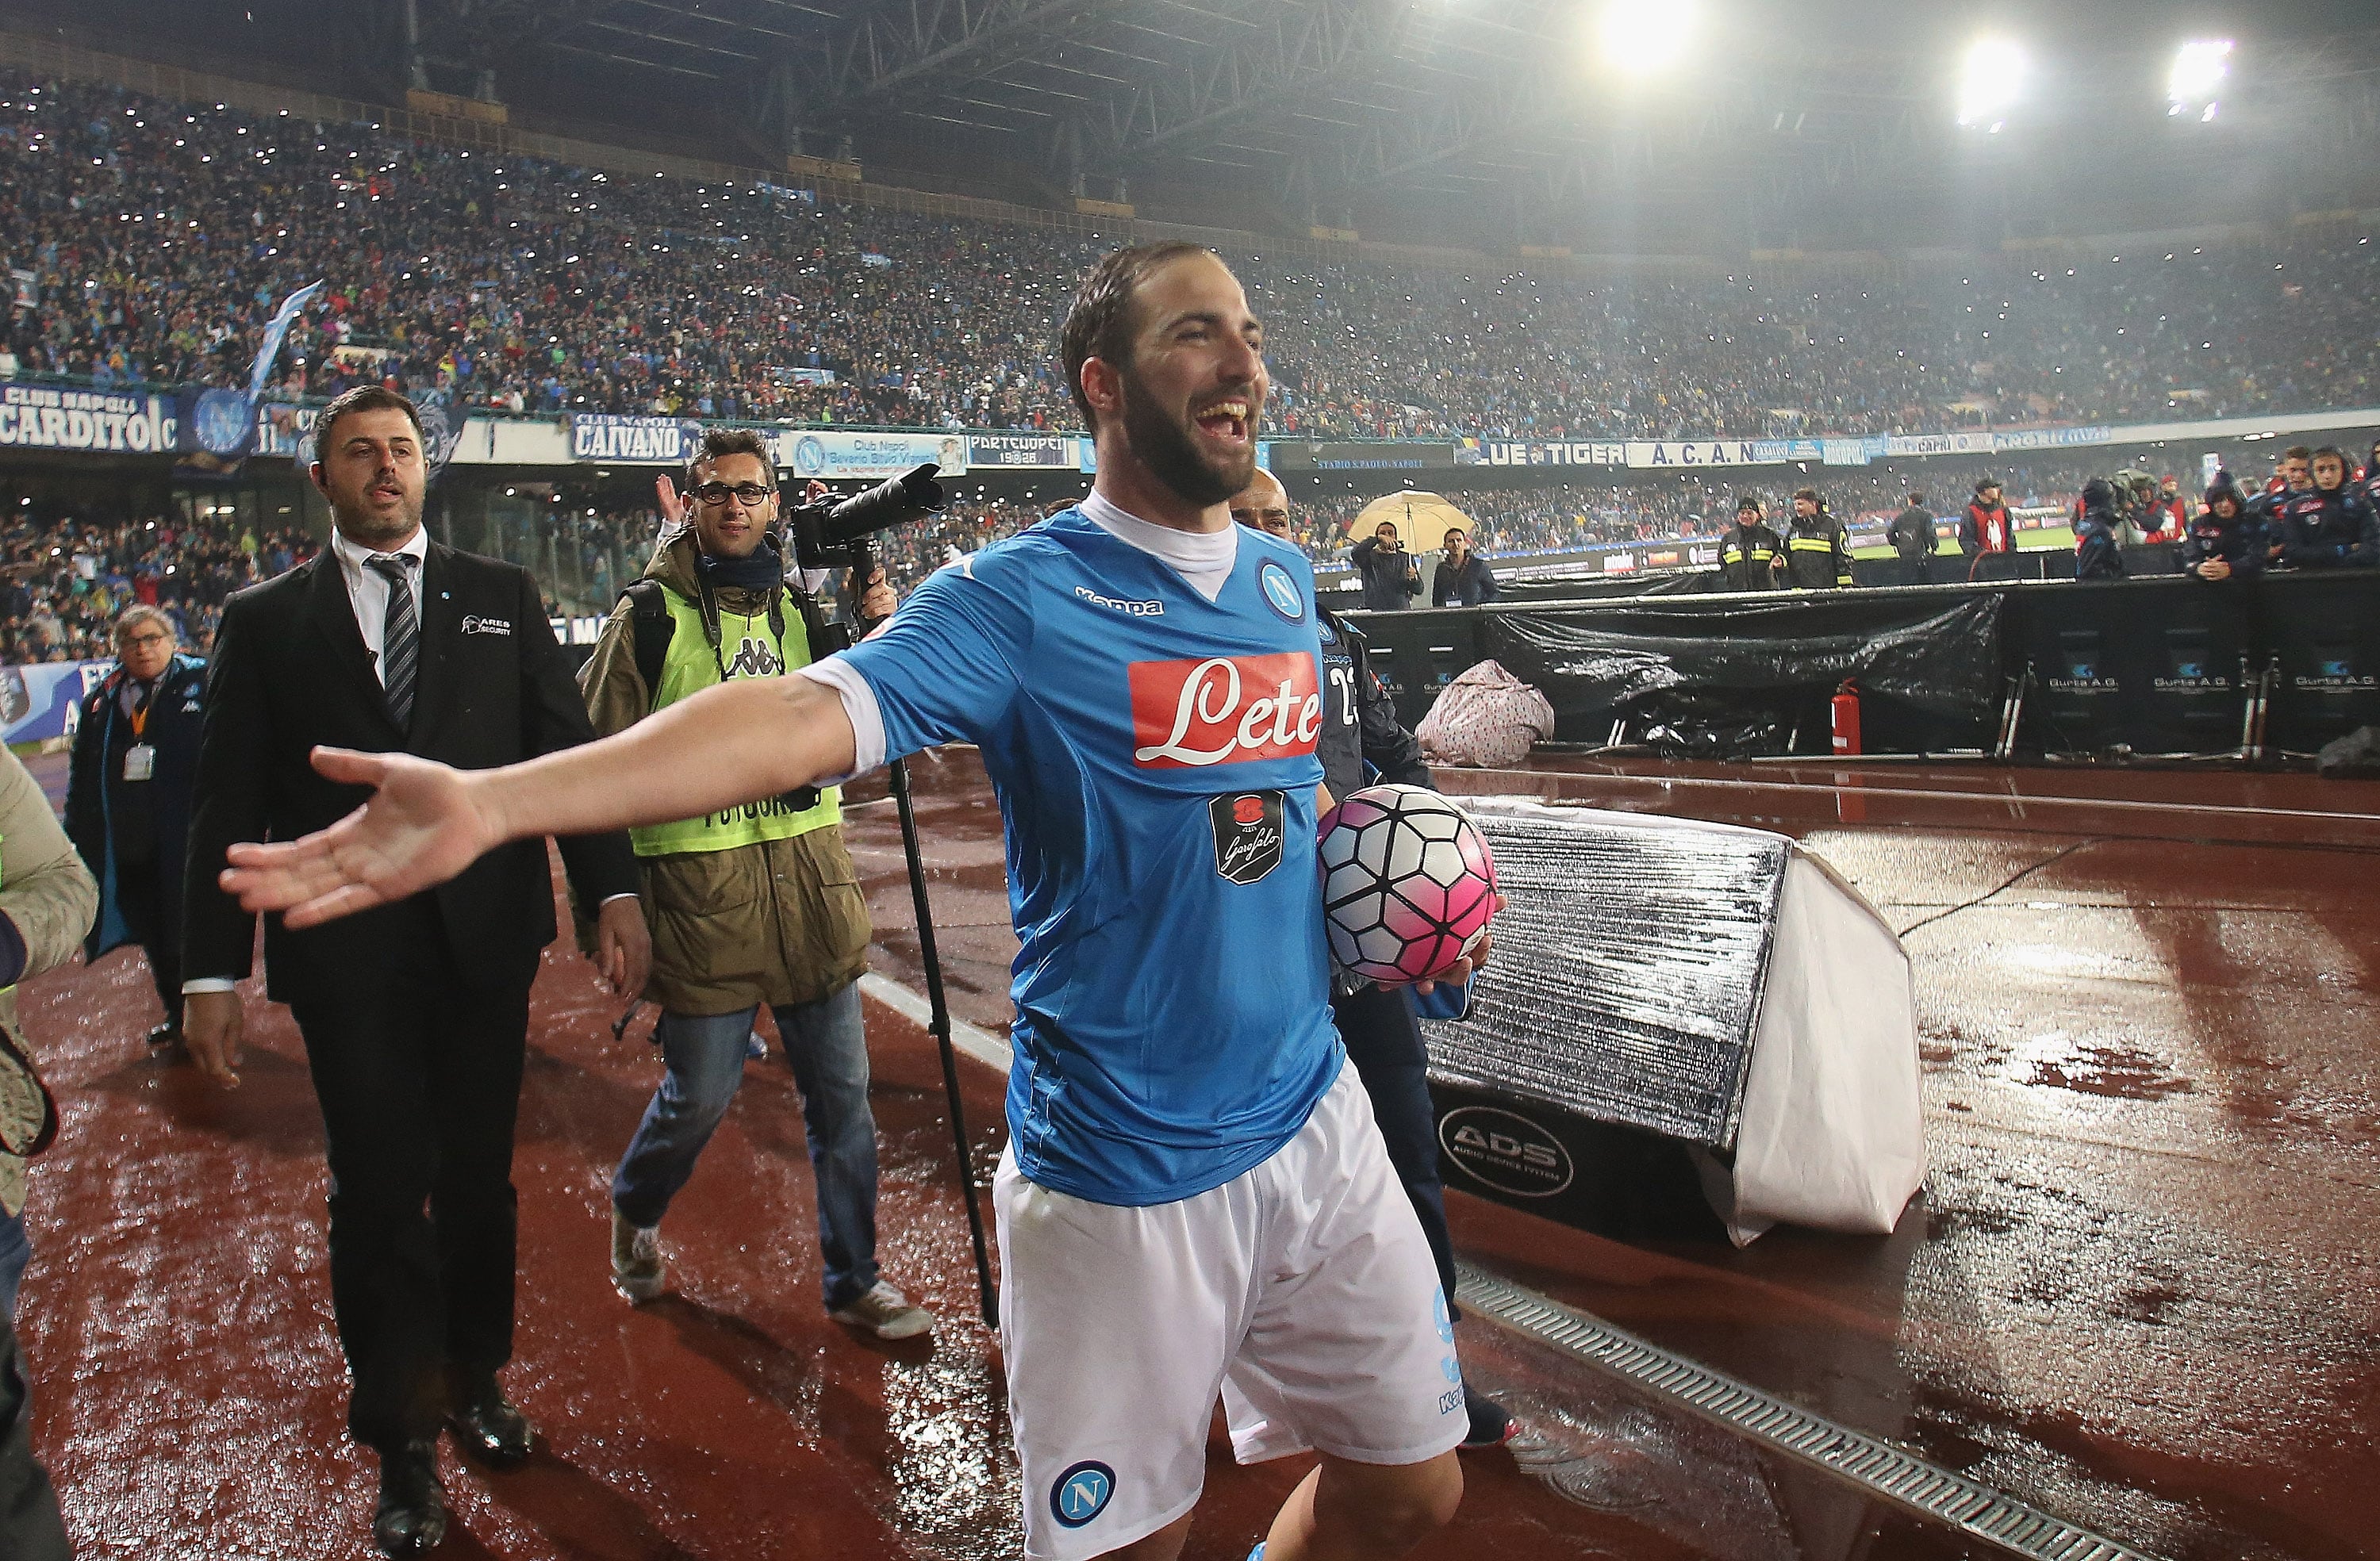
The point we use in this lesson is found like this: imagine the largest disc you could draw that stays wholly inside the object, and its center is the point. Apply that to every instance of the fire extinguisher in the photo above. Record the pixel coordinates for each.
(1847, 719)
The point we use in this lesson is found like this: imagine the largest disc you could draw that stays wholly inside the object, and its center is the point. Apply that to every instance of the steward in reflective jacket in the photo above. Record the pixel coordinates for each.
(1817, 555)
(1751, 555)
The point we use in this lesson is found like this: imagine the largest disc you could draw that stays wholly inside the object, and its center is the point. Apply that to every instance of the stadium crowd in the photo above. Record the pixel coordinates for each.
(64, 579)
(151, 241)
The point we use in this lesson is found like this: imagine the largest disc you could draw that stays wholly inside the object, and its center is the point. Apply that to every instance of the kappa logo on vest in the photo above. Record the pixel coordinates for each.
(1248, 834)
(1225, 709)
(754, 659)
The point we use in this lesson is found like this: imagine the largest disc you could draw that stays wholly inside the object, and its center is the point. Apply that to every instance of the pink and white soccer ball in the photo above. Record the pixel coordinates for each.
(1407, 884)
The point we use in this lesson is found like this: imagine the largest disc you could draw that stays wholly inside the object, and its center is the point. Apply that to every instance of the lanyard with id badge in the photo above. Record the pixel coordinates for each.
(140, 759)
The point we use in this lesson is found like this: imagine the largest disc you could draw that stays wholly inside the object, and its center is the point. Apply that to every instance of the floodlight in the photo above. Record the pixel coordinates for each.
(1992, 78)
(2199, 69)
(1642, 36)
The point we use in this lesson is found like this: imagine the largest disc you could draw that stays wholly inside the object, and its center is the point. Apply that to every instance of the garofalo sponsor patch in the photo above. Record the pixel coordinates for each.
(1505, 1149)
(1247, 834)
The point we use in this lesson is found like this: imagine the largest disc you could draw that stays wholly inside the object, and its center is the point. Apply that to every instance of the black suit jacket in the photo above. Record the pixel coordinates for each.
(290, 671)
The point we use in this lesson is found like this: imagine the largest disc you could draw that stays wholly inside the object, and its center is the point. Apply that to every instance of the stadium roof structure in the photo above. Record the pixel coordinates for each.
(1824, 124)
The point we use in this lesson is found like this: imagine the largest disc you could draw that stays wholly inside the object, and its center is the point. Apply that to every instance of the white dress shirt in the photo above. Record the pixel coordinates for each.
(368, 587)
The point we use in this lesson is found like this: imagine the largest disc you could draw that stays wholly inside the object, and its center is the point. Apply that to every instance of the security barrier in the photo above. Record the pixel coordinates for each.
(2165, 664)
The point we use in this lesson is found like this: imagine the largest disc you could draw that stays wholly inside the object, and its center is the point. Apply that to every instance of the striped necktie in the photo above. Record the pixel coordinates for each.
(400, 651)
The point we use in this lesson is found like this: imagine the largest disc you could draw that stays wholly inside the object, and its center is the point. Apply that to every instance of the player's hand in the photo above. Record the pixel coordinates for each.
(211, 1023)
(813, 491)
(673, 507)
(1469, 965)
(2214, 569)
(623, 949)
(420, 828)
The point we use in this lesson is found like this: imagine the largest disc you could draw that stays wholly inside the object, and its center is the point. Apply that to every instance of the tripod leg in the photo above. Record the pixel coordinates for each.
(941, 1026)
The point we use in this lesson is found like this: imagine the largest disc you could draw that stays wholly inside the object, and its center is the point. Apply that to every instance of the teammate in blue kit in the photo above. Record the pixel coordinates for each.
(1194, 1190)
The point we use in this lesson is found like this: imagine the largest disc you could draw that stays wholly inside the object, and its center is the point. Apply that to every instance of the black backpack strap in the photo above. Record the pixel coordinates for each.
(649, 606)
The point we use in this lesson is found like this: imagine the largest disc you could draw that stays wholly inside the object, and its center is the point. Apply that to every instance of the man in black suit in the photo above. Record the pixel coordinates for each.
(415, 1016)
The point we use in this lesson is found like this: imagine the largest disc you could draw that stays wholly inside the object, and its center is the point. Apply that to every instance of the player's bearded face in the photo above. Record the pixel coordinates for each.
(1167, 438)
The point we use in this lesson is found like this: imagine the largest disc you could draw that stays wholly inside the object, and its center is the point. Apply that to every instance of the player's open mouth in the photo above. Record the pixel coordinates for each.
(386, 490)
(1225, 420)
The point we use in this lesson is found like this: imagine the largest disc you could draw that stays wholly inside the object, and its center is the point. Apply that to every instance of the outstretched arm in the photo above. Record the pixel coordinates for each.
(733, 743)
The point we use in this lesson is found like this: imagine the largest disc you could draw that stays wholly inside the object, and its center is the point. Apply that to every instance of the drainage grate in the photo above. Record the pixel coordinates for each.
(1874, 1465)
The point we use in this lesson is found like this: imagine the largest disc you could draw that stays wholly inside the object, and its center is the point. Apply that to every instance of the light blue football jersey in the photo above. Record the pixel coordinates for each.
(1154, 756)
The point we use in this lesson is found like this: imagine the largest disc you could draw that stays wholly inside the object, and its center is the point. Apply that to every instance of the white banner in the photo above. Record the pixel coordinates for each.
(1970, 442)
(820, 453)
(1664, 452)
(41, 417)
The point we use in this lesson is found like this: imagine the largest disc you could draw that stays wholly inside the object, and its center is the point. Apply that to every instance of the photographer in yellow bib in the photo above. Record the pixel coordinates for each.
(757, 906)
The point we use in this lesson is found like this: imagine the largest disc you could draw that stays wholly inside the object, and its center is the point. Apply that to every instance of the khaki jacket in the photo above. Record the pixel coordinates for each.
(49, 894)
(777, 923)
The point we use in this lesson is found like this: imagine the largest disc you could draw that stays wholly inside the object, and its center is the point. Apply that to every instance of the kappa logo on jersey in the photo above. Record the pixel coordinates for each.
(1225, 709)
(1280, 592)
(1247, 834)
(1137, 608)
(1082, 1494)
(754, 659)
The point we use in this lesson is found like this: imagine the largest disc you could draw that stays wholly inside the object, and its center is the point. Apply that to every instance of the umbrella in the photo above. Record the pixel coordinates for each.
(1422, 519)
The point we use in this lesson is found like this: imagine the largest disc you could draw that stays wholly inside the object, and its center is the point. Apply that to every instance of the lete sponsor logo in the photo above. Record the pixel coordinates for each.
(1225, 709)
(1506, 1151)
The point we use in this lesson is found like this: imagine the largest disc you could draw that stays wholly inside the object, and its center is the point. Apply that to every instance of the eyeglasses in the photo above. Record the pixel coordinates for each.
(152, 637)
(751, 495)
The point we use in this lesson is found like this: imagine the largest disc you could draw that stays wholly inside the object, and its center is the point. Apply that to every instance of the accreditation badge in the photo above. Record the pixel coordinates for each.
(139, 761)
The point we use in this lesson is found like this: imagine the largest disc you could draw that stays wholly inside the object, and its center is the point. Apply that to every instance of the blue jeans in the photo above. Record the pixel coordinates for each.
(826, 1042)
(15, 1254)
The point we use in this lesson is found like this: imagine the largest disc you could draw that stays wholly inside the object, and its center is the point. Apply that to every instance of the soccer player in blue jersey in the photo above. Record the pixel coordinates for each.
(1194, 1190)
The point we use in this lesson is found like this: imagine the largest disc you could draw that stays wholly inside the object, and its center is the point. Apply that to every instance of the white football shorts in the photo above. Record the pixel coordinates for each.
(1302, 1289)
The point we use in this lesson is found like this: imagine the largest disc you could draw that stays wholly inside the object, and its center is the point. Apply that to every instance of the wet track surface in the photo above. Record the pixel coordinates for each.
(2137, 1291)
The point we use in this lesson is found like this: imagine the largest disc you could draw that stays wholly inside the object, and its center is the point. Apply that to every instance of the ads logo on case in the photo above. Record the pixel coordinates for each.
(1280, 592)
(1507, 1152)
(1082, 1494)
(1225, 709)
(1247, 834)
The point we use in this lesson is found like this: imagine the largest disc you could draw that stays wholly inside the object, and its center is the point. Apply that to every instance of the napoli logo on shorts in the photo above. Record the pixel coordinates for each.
(1081, 1494)
(1280, 592)
(1441, 1316)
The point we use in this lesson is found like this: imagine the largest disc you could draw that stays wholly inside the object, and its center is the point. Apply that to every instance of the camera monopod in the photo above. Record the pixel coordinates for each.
(832, 535)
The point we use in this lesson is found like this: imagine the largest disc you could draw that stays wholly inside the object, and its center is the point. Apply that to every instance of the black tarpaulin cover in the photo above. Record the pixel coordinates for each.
(1739, 671)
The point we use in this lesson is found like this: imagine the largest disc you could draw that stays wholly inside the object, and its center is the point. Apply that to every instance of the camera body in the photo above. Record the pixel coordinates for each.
(832, 533)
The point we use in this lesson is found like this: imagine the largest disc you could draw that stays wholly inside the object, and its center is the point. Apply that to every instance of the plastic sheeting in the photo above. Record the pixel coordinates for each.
(1626, 980)
(1735, 675)
(1711, 983)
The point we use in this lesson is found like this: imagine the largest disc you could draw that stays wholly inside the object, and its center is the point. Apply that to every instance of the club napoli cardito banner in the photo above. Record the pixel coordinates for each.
(101, 422)
(830, 456)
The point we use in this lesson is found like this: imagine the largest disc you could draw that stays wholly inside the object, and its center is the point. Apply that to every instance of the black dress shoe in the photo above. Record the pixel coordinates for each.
(491, 1430)
(411, 1518)
(165, 1040)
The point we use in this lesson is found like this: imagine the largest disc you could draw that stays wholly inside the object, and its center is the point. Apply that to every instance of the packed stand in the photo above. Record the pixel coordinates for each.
(64, 579)
(152, 242)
